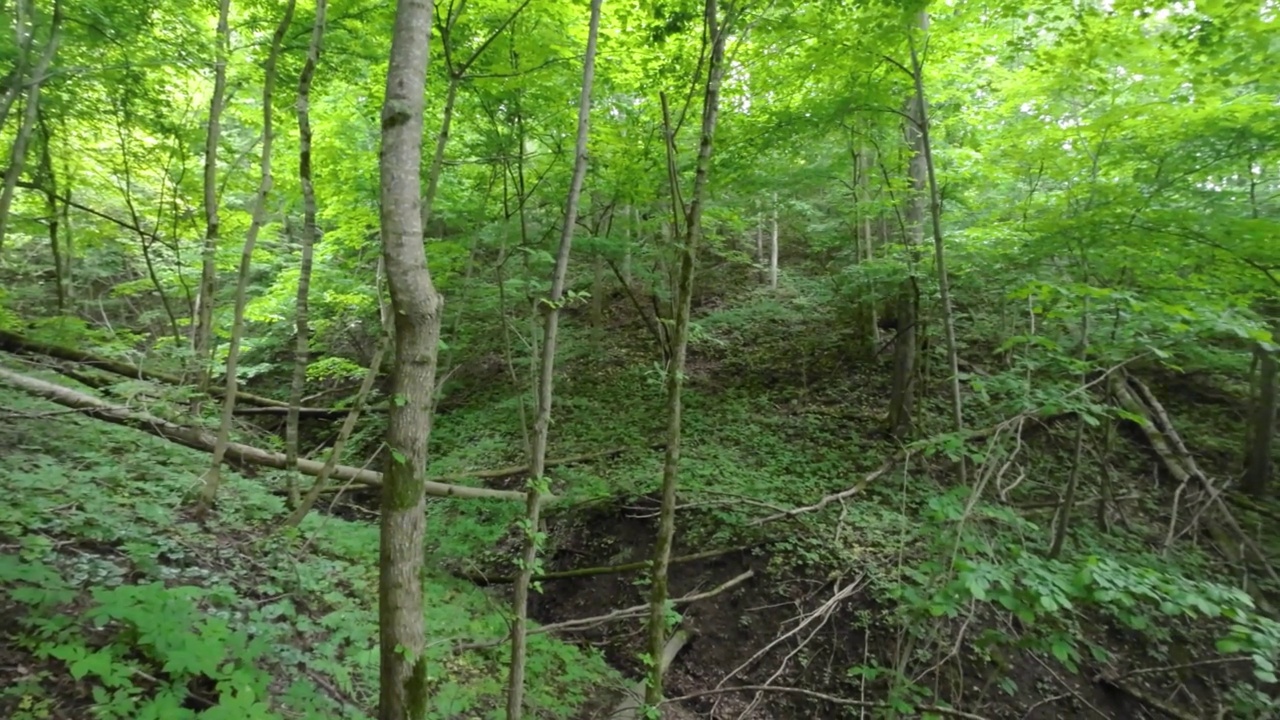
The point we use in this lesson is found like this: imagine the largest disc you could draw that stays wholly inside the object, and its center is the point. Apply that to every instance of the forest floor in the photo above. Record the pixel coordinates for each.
(849, 610)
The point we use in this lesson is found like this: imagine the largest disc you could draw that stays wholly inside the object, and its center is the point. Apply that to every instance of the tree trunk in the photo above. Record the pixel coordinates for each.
(18, 151)
(213, 478)
(773, 246)
(202, 327)
(1258, 472)
(302, 347)
(49, 182)
(335, 453)
(907, 306)
(1063, 521)
(23, 35)
(903, 394)
(546, 374)
(657, 630)
(416, 307)
(935, 215)
(759, 244)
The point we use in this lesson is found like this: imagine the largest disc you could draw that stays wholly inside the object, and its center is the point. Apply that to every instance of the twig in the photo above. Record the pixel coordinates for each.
(888, 464)
(833, 699)
(1103, 677)
(631, 612)
(822, 612)
(1143, 697)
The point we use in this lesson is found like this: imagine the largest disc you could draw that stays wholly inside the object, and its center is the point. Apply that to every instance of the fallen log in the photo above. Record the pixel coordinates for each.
(1157, 426)
(513, 470)
(198, 439)
(15, 343)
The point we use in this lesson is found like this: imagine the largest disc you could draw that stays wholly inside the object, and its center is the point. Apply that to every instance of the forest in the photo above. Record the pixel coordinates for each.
(639, 359)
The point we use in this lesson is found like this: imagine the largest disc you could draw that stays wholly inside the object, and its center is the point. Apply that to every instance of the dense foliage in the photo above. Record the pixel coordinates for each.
(945, 327)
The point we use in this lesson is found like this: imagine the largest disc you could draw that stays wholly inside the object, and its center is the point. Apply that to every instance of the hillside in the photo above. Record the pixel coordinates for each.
(636, 360)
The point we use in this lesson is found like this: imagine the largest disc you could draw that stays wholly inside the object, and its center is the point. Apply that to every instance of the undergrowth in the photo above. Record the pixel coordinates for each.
(117, 606)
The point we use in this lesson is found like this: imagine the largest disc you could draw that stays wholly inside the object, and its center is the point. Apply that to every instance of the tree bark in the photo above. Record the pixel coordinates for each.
(213, 478)
(773, 246)
(416, 308)
(50, 185)
(657, 629)
(302, 347)
(935, 215)
(18, 151)
(907, 305)
(1258, 473)
(202, 327)
(546, 375)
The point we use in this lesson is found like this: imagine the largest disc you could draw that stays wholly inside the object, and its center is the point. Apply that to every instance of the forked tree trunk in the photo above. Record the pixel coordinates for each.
(202, 325)
(213, 477)
(657, 629)
(417, 309)
(546, 374)
(935, 216)
(1258, 472)
(18, 151)
(302, 345)
(456, 76)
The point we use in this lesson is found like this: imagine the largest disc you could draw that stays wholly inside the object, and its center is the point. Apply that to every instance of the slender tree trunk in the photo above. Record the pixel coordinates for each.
(905, 345)
(302, 347)
(657, 630)
(633, 232)
(760, 264)
(213, 478)
(935, 215)
(550, 309)
(862, 238)
(907, 305)
(18, 151)
(339, 444)
(22, 41)
(773, 246)
(49, 182)
(202, 327)
(417, 308)
(1069, 495)
(1258, 472)
(597, 291)
(456, 75)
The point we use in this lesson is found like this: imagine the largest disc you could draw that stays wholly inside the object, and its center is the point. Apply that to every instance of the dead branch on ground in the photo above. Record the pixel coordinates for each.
(635, 611)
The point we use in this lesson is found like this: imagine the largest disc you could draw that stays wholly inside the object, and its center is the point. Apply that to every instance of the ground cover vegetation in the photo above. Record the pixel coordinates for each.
(639, 359)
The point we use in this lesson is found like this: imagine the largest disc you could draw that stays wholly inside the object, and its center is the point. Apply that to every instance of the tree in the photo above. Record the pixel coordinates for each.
(302, 346)
(202, 336)
(718, 31)
(213, 478)
(416, 308)
(550, 310)
(18, 151)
